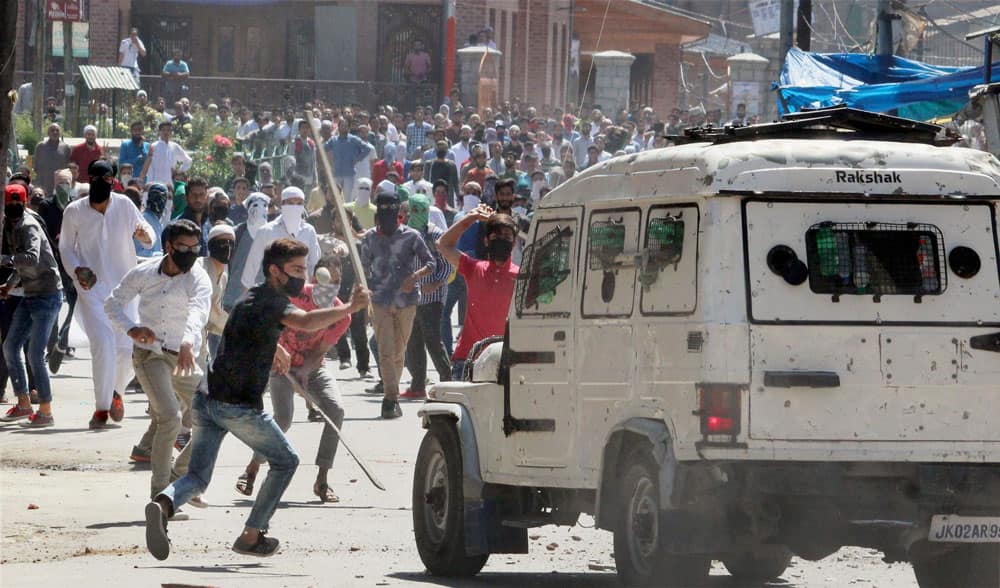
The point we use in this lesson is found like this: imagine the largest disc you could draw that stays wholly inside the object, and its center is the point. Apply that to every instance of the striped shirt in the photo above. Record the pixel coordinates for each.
(440, 273)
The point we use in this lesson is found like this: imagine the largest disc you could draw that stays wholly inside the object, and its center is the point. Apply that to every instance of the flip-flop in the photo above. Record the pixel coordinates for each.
(244, 484)
(324, 493)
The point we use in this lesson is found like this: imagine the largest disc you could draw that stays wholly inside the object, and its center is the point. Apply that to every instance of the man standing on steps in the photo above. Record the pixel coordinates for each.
(230, 398)
(97, 251)
(174, 297)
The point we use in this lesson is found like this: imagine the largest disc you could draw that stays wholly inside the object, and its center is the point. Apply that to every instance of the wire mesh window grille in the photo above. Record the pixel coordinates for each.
(664, 247)
(606, 242)
(544, 267)
(876, 259)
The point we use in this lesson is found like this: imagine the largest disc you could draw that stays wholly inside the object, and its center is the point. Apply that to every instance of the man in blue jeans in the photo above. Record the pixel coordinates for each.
(37, 274)
(230, 398)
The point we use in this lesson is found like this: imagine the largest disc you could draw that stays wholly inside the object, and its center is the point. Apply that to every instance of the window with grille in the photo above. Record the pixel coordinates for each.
(545, 267)
(606, 242)
(876, 259)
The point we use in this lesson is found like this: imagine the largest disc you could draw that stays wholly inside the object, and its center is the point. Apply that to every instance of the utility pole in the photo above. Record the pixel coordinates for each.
(787, 29)
(803, 25)
(69, 91)
(38, 79)
(8, 44)
(883, 38)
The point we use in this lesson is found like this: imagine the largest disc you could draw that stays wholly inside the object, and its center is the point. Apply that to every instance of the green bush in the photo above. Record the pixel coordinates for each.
(25, 132)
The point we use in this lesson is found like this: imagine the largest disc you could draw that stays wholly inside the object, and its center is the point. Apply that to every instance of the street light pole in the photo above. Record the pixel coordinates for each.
(38, 79)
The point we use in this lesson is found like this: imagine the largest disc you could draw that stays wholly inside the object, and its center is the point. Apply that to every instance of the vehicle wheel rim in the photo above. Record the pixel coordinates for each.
(436, 497)
(643, 526)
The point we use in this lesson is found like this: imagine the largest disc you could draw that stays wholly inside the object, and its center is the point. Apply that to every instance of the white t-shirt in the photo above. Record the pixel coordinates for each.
(363, 168)
(131, 52)
(164, 157)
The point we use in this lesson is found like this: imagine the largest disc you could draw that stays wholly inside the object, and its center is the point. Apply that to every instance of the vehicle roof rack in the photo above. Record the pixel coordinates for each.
(835, 122)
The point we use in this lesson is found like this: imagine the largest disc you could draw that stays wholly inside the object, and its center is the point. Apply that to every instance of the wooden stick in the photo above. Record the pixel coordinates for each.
(359, 271)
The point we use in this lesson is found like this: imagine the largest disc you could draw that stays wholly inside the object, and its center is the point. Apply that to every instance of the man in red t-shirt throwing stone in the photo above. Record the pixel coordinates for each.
(490, 282)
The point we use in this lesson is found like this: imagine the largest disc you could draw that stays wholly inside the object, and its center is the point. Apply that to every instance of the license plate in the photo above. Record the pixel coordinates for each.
(958, 529)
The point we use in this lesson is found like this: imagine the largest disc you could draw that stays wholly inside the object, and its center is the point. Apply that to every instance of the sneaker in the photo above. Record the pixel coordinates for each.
(315, 416)
(157, 541)
(378, 389)
(412, 394)
(16, 413)
(99, 420)
(117, 411)
(264, 547)
(33, 397)
(345, 365)
(39, 421)
(391, 410)
(140, 455)
(70, 352)
(182, 440)
(363, 374)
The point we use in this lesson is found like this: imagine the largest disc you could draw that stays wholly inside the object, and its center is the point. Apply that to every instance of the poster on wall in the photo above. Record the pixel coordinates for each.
(81, 40)
(745, 93)
(71, 10)
(766, 16)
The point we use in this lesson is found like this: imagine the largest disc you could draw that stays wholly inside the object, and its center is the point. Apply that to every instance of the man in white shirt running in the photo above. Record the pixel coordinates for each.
(97, 250)
(129, 52)
(175, 297)
(290, 223)
(164, 157)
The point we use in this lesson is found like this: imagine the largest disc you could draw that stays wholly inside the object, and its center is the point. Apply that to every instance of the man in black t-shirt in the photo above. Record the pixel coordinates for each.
(231, 401)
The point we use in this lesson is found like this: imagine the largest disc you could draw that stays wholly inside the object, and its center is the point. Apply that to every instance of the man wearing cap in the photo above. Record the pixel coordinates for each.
(87, 152)
(461, 150)
(164, 157)
(97, 251)
(443, 169)
(36, 272)
(390, 252)
(50, 155)
(291, 223)
(174, 297)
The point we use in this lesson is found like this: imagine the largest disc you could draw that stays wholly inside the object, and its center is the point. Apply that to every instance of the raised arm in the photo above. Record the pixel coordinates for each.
(447, 245)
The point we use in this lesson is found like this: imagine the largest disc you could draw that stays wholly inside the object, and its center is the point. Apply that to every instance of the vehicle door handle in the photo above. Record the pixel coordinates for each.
(559, 336)
(990, 342)
(801, 379)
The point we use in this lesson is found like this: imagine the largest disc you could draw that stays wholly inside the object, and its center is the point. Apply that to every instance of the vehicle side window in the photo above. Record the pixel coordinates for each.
(545, 283)
(667, 272)
(612, 248)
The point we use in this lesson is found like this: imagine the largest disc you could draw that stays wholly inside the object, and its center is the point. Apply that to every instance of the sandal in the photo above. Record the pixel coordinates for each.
(244, 484)
(324, 493)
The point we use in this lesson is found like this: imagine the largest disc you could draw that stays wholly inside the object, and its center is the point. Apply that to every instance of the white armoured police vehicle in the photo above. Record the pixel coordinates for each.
(761, 342)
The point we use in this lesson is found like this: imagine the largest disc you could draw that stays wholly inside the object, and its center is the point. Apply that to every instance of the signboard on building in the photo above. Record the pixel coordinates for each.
(81, 40)
(766, 16)
(747, 93)
(64, 10)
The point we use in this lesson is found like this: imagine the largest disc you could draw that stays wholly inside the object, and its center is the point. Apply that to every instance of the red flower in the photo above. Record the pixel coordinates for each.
(223, 142)
(208, 158)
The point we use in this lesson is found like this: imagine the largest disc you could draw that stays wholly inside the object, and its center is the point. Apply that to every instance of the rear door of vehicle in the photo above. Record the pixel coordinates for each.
(863, 318)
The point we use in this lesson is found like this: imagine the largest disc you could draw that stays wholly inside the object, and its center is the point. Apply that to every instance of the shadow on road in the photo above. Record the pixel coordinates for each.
(557, 580)
(251, 569)
(117, 525)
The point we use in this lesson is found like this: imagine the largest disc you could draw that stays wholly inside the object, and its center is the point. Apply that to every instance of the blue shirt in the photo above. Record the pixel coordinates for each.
(416, 135)
(468, 242)
(155, 249)
(134, 153)
(347, 152)
(179, 67)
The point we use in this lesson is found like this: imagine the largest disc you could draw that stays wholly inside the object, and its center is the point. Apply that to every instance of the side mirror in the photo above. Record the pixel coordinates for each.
(783, 261)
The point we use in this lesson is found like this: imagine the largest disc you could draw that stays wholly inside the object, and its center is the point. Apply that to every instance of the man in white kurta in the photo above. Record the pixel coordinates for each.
(164, 157)
(291, 224)
(96, 237)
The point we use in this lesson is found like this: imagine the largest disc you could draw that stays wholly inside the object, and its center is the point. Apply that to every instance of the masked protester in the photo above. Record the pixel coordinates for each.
(156, 203)
(397, 258)
(97, 251)
(362, 207)
(29, 254)
(489, 282)
(174, 297)
(426, 335)
(290, 223)
(245, 234)
(51, 210)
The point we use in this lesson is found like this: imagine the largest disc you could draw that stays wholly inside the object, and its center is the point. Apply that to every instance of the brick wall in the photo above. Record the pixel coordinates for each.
(103, 17)
(666, 78)
(20, 47)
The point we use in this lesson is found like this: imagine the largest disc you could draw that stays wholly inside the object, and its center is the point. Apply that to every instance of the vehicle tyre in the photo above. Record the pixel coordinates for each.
(438, 508)
(640, 555)
(975, 565)
(763, 564)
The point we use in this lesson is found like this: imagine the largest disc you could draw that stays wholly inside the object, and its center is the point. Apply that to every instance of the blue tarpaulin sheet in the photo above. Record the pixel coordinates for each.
(877, 83)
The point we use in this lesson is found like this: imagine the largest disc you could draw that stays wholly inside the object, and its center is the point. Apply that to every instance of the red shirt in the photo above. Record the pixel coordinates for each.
(490, 289)
(83, 156)
(299, 343)
(380, 169)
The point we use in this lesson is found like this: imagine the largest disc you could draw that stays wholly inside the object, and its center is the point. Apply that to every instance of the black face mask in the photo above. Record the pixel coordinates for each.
(499, 250)
(442, 153)
(220, 251)
(100, 191)
(293, 286)
(184, 260)
(13, 211)
(219, 213)
(387, 221)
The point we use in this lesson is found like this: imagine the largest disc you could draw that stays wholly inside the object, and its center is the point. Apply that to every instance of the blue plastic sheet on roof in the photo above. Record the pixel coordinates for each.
(916, 90)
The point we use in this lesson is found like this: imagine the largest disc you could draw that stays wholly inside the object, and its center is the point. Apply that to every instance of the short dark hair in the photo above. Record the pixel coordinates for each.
(499, 221)
(330, 262)
(241, 179)
(180, 228)
(505, 183)
(281, 251)
(136, 122)
(197, 182)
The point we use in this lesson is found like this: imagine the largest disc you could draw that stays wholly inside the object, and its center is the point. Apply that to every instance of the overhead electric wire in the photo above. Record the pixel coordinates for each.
(590, 70)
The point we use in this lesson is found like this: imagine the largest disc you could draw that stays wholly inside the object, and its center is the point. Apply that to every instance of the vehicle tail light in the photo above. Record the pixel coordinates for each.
(719, 409)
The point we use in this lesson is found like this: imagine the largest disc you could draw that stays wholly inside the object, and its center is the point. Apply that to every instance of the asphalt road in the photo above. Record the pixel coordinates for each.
(87, 529)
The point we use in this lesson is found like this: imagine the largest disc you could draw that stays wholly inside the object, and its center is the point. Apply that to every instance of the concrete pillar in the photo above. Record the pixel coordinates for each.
(614, 80)
(749, 84)
(470, 60)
